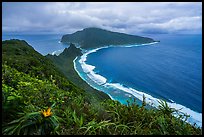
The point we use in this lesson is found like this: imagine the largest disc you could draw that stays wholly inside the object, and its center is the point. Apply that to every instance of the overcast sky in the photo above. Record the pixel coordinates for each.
(127, 17)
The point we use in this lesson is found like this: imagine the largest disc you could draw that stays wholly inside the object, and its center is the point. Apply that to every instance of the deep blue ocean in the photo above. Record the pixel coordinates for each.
(169, 70)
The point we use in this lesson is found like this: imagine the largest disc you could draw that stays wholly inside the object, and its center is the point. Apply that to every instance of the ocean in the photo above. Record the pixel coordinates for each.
(170, 70)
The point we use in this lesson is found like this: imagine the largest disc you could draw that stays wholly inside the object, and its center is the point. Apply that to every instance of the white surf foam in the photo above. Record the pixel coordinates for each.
(74, 61)
(57, 52)
(171, 100)
(97, 78)
(87, 68)
(195, 117)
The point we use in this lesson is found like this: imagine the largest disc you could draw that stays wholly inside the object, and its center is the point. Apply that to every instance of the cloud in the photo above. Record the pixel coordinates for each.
(127, 17)
(174, 25)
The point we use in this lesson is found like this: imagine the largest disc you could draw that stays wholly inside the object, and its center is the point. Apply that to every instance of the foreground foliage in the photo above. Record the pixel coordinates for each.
(34, 104)
(26, 99)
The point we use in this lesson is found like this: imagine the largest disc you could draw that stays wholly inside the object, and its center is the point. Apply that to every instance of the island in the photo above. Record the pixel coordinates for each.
(90, 38)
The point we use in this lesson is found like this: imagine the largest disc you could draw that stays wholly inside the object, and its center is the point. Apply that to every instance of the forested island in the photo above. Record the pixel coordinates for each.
(90, 38)
(41, 97)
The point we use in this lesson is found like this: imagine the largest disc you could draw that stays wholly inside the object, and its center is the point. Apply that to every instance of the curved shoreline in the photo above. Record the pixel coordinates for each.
(85, 80)
(195, 117)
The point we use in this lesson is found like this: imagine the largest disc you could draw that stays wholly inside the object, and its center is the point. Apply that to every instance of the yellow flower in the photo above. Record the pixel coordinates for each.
(47, 113)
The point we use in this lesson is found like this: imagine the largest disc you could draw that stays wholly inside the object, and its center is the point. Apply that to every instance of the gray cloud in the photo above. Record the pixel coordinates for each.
(128, 17)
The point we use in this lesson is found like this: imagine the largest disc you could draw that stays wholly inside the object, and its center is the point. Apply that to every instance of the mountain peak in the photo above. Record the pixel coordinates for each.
(71, 51)
(89, 28)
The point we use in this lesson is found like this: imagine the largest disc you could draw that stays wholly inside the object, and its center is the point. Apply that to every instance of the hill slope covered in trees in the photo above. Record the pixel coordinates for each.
(90, 38)
(64, 62)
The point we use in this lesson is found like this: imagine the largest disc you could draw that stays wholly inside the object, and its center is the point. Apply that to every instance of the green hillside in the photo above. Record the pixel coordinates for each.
(94, 37)
(37, 99)
(64, 62)
(20, 55)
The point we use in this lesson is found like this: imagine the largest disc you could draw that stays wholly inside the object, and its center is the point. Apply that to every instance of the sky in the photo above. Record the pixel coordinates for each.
(125, 17)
